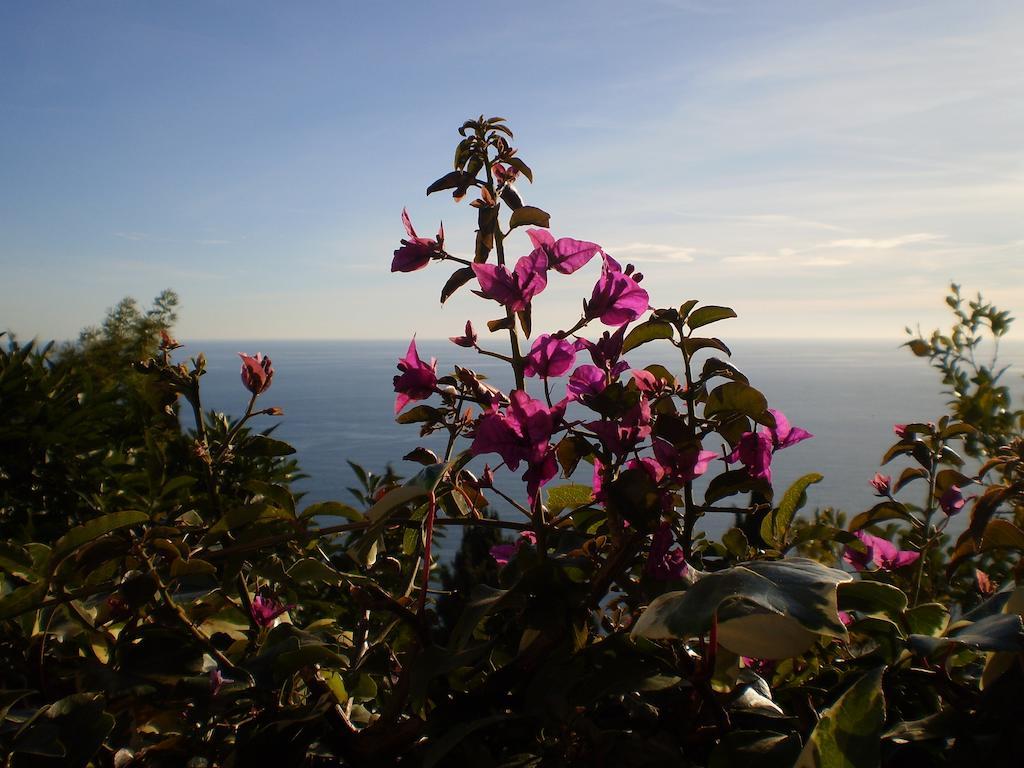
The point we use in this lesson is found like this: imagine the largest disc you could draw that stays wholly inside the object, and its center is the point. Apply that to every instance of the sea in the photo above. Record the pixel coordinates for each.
(338, 403)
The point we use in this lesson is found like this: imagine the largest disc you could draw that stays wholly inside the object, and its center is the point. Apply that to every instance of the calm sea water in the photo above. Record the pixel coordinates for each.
(338, 402)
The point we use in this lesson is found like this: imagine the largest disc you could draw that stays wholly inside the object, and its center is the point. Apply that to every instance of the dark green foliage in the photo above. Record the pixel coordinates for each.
(166, 600)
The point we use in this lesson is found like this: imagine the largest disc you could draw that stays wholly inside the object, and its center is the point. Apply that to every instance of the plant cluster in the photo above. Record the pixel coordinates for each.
(192, 611)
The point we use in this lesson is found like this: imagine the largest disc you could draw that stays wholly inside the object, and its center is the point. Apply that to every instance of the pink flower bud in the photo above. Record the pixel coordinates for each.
(882, 484)
(257, 372)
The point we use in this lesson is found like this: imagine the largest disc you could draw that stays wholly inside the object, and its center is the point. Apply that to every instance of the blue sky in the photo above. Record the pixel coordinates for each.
(823, 167)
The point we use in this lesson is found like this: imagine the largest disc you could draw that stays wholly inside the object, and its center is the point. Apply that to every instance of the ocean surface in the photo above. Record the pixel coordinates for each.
(338, 404)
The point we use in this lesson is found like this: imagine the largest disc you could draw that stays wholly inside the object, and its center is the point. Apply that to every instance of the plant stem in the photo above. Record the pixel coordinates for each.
(929, 533)
(690, 511)
(499, 248)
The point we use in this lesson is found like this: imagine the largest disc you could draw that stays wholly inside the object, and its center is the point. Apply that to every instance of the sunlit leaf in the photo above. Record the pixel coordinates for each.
(848, 735)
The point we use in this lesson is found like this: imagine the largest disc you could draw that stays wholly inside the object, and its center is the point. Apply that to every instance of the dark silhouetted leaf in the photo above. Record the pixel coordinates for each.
(707, 315)
(529, 216)
(458, 279)
(644, 332)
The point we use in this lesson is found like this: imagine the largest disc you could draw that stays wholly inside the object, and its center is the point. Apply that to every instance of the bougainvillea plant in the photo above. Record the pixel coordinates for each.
(198, 615)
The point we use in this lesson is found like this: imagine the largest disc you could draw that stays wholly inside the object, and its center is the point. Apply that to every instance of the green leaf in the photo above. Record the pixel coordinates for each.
(766, 609)
(707, 315)
(482, 600)
(452, 180)
(645, 332)
(501, 324)
(332, 509)
(947, 478)
(1001, 632)
(23, 599)
(458, 279)
(93, 529)
(956, 429)
(527, 216)
(775, 526)
(694, 344)
(16, 561)
(569, 451)
(313, 571)
(735, 541)
(307, 655)
(685, 307)
(872, 597)
(193, 567)
(919, 347)
(1002, 534)
(908, 475)
(569, 496)
(849, 732)
(424, 413)
(886, 510)
(820, 532)
(364, 550)
(261, 445)
(735, 481)
(735, 396)
(927, 619)
(522, 167)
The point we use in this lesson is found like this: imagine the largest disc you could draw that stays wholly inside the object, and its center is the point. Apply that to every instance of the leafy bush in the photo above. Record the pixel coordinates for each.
(168, 600)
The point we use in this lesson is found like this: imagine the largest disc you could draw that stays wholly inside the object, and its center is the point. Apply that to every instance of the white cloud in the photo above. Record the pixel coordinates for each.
(751, 258)
(651, 253)
(823, 261)
(884, 244)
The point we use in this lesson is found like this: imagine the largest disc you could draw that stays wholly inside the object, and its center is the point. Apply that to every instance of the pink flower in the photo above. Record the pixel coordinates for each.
(257, 372)
(549, 356)
(417, 380)
(514, 290)
(597, 483)
(217, 681)
(900, 430)
(564, 255)
(606, 351)
(882, 484)
(586, 381)
(617, 298)
(755, 449)
(622, 436)
(682, 465)
(415, 252)
(663, 562)
(846, 618)
(884, 554)
(467, 340)
(266, 609)
(504, 174)
(502, 553)
(646, 381)
(952, 500)
(761, 667)
(522, 433)
(783, 435)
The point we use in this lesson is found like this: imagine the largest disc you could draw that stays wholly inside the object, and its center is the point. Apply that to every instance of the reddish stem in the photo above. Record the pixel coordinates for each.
(431, 512)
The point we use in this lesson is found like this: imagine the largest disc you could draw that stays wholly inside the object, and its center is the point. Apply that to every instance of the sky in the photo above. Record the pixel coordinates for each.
(824, 168)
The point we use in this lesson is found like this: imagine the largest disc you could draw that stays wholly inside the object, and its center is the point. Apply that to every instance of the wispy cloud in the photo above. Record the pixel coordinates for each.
(884, 244)
(652, 253)
(774, 220)
(823, 261)
(751, 258)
